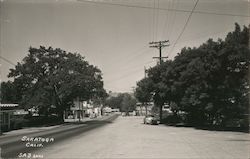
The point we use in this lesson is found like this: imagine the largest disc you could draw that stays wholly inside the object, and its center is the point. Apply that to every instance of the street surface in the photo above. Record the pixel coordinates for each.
(128, 137)
(21, 143)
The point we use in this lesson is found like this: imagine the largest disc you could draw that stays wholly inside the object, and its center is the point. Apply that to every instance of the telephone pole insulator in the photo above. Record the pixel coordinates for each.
(159, 45)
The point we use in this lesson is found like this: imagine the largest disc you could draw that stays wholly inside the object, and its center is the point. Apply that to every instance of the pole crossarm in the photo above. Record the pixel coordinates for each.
(161, 57)
(158, 42)
(159, 45)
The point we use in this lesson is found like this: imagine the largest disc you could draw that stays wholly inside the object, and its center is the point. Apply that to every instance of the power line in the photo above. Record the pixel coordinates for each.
(130, 66)
(167, 20)
(185, 25)
(136, 57)
(131, 54)
(125, 75)
(165, 26)
(173, 23)
(157, 17)
(6, 60)
(166, 9)
(138, 69)
(149, 21)
(154, 21)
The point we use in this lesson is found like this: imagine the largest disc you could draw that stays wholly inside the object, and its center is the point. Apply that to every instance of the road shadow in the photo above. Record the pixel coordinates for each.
(16, 147)
(240, 140)
(209, 128)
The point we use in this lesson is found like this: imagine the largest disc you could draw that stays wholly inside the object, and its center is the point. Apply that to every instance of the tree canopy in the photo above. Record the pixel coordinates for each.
(53, 77)
(124, 101)
(209, 83)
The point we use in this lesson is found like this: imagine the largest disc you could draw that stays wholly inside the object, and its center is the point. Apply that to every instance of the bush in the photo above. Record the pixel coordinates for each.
(172, 119)
(4, 128)
(43, 120)
(18, 123)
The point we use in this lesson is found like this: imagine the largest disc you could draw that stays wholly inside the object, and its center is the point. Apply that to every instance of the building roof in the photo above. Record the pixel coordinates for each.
(8, 105)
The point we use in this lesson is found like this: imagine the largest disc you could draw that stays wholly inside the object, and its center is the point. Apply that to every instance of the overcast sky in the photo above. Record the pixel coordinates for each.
(113, 34)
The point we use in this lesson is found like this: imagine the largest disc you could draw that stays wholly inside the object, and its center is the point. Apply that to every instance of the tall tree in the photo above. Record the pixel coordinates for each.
(124, 101)
(143, 92)
(52, 77)
(161, 85)
(9, 93)
(210, 82)
(128, 103)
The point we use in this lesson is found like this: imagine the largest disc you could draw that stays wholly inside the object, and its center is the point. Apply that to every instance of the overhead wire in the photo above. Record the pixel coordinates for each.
(170, 31)
(174, 18)
(177, 10)
(157, 20)
(134, 59)
(139, 69)
(171, 19)
(203, 36)
(149, 22)
(8, 61)
(184, 27)
(165, 27)
(133, 72)
(171, 9)
(125, 75)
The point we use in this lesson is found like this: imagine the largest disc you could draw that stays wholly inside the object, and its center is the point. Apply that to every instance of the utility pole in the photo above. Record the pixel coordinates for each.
(159, 45)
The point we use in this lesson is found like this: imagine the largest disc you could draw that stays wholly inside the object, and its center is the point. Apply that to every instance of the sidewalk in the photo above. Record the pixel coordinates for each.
(29, 130)
(12, 143)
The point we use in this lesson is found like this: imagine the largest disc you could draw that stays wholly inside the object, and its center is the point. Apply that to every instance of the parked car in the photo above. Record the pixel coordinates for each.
(150, 119)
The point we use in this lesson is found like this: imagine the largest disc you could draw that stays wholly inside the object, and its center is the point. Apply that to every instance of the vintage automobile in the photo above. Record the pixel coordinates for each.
(150, 119)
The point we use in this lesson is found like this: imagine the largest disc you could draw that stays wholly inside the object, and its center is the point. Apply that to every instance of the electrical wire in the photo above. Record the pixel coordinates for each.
(8, 61)
(125, 75)
(183, 29)
(149, 22)
(130, 73)
(175, 5)
(157, 21)
(203, 36)
(174, 18)
(177, 10)
(165, 27)
(154, 22)
(135, 58)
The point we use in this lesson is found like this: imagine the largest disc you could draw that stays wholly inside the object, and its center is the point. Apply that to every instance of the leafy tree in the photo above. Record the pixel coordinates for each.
(9, 93)
(128, 103)
(210, 83)
(124, 101)
(161, 85)
(114, 102)
(50, 77)
(143, 92)
(214, 77)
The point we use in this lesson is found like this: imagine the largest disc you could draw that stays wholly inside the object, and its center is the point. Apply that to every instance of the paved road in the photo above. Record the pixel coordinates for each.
(127, 137)
(25, 142)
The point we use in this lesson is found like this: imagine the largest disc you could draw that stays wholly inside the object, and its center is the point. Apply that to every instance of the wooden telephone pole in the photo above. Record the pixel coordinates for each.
(159, 45)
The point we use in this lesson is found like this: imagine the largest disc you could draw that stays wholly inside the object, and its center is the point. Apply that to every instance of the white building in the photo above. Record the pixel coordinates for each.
(77, 111)
(81, 110)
